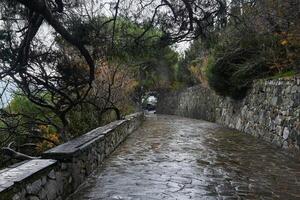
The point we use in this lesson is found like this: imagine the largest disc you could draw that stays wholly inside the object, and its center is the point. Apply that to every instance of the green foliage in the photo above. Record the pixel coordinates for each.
(21, 104)
(194, 61)
(285, 74)
(138, 47)
(23, 122)
(83, 119)
(236, 63)
(243, 56)
(261, 42)
(30, 115)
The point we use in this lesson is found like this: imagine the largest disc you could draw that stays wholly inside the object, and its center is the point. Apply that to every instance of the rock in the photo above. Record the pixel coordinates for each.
(33, 198)
(60, 182)
(51, 175)
(295, 89)
(288, 90)
(64, 166)
(43, 194)
(277, 141)
(51, 189)
(278, 120)
(286, 133)
(44, 180)
(35, 187)
(239, 124)
(285, 145)
(279, 130)
(16, 197)
(274, 101)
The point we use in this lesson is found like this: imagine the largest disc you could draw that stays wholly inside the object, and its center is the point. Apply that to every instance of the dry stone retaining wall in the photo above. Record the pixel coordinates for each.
(271, 109)
(62, 169)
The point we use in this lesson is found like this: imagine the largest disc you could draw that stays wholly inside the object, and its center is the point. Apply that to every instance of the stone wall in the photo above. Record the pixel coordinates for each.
(62, 169)
(271, 109)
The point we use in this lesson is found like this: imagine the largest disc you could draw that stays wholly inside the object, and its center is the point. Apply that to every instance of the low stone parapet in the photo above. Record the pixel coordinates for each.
(62, 169)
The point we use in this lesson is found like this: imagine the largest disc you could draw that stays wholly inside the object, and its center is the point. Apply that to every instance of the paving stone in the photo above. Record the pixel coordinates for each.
(172, 158)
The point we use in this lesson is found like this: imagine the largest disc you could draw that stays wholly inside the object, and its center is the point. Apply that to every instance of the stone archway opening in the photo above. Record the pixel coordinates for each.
(149, 101)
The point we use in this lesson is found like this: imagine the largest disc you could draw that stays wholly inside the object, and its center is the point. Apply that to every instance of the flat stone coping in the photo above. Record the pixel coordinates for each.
(69, 149)
(21, 171)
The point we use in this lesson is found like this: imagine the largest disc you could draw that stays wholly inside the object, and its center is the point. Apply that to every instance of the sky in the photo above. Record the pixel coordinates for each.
(182, 47)
(5, 95)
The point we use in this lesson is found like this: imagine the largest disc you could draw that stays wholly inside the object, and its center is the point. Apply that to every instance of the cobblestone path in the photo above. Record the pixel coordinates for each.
(178, 158)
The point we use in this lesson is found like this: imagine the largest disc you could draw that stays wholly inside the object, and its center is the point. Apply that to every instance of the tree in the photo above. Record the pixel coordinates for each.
(259, 41)
(57, 73)
(34, 66)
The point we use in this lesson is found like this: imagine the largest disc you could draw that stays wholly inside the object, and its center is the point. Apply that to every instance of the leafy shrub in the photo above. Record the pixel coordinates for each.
(262, 41)
(234, 66)
(243, 56)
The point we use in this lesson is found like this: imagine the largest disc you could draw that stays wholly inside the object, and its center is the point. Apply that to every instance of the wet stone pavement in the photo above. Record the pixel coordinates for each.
(171, 157)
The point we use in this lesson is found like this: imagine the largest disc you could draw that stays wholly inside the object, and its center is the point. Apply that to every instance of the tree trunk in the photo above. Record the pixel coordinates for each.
(64, 129)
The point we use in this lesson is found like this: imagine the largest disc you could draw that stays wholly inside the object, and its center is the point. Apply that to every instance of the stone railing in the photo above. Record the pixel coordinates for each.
(62, 169)
(271, 109)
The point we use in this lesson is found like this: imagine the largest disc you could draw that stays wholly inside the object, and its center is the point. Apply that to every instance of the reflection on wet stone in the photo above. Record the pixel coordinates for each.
(171, 157)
